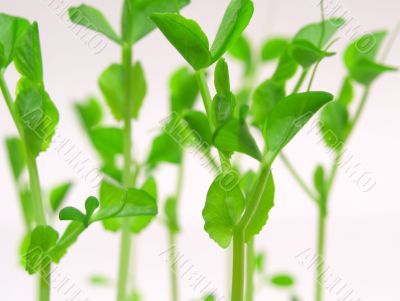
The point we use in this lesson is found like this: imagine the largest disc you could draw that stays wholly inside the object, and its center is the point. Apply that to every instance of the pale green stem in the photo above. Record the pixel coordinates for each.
(297, 176)
(125, 246)
(172, 238)
(250, 271)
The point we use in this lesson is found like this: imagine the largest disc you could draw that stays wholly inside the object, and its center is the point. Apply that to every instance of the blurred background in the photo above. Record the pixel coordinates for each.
(364, 227)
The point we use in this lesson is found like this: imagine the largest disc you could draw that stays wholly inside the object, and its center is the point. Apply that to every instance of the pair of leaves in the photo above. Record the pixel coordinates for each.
(360, 58)
(74, 214)
(308, 43)
(192, 43)
(273, 48)
(11, 29)
(226, 204)
(224, 102)
(135, 23)
(116, 202)
(113, 82)
(39, 118)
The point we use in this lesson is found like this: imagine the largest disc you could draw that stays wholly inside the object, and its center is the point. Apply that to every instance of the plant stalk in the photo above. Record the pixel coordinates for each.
(250, 270)
(172, 238)
(237, 292)
(125, 246)
(35, 188)
(321, 256)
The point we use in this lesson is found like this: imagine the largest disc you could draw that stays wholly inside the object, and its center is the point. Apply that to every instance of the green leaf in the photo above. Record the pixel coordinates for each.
(43, 238)
(171, 214)
(16, 156)
(365, 47)
(273, 49)
(139, 223)
(58, 194)
(241, 50)
(221, 77)
(90, 113)
(223, 108)
(183, 90)
(222, 211)
(72, 214)
(11, 29)
(27, 54)
(306, 54)
(112, 83)
(237, 17)
(235, 136)
(139, 88)
(136, 23)
(334, 121)
(286, 68)
(112, 199)
(198, 124)
(93, 19)
(288, 117)
(91, 204)
(360, 58)
(319, 34)
(69, 238)
(117, 202)
(108, 141)
(261, 216)
(265, 98)
(366, 71)
(39, 117)
(164, 150)
(346, 93)
(186, 36)
(282, 280)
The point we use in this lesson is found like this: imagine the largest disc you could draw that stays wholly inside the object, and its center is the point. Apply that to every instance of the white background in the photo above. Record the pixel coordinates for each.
(364, 227)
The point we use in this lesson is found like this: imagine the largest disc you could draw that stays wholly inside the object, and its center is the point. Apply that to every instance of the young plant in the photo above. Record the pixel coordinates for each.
(123, 86)
(231, 213)
(35, 117)
(336, 126)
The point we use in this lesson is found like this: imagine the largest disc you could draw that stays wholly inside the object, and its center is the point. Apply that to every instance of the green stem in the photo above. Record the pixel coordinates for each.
(125, 246)
(206, 96)
(297, 176)
(237, 292)
(172, 238)
(321, 255)
(300, 81)
(250, 271)
(173, 269)
(35, 188)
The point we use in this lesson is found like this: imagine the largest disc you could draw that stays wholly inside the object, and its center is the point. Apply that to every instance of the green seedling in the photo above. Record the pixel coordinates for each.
(229, 213)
